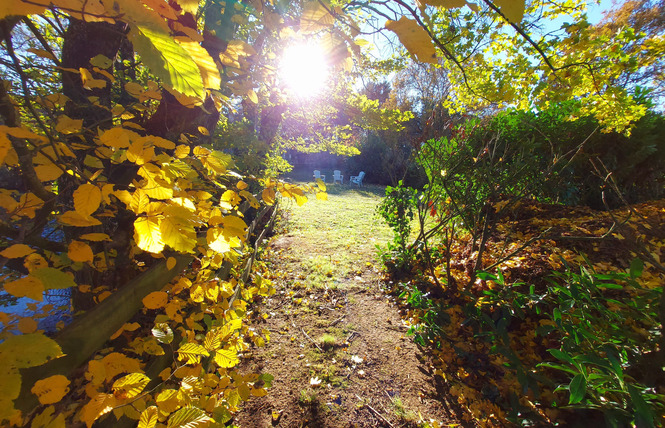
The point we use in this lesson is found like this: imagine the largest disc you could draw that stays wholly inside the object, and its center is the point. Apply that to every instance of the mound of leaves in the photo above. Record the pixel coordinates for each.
(567, 330)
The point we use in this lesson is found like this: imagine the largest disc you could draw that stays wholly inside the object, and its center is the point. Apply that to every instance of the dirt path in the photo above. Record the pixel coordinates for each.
(338, 351)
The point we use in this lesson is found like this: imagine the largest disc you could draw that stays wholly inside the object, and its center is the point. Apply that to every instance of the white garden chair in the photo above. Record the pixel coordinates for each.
(317, 174)
(337, 176)
(357, 179)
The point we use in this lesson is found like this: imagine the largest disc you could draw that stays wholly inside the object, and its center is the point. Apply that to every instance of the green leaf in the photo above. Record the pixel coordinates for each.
(563, 356)
(577, 389)
(53, 278)
(644, 415)
(485, 276)
(556, 315)
(636, 267)
(168, 60)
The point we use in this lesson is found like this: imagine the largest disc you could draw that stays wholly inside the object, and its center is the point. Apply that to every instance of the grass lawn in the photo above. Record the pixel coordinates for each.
(341, 233)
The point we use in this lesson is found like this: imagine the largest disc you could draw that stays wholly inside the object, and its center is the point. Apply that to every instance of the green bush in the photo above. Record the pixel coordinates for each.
(604, 360)
(397, 209)
(572, 148)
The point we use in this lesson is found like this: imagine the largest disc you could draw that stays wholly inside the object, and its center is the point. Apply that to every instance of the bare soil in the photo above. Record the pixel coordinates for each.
(340, 355)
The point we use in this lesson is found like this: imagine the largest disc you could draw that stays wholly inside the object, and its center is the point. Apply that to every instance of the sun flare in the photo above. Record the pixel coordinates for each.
(304, 69)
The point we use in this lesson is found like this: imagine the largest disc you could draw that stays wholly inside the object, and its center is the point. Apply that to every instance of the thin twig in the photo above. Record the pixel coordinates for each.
(307, 336)
(375, 412)
(337, 321)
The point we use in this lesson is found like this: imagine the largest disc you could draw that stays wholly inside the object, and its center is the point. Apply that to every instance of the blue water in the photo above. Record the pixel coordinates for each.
(61, 308)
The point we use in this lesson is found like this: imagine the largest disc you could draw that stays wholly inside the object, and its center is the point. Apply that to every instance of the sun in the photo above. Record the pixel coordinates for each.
(304, 69)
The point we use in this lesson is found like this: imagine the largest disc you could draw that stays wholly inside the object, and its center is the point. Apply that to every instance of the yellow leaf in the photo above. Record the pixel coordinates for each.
(182, 151)
(315, 17)
(47, 419)
(99, 406)
(177, 234)
(52, 389)
(28, 205)
(21, 133)
(216, 162)
(87, 199)
(189, 6)
(131, 326)
(189, 417)
(5, 145)
(89, 82)
(80, 252)
(167, 401)
(300, 199)
(42, 54)
(28, 286)
(8, 8)
(241, 185)
(259, 392)
(243, 391)
(139, 201)
(16, 251)
(226, 358)
(192, 353)
(134, 89)
(139, 154)
(148, 235)
(27, 325)
(252, 96)
(212, 340)
(414, 38)
(151, 347)
(67, 125)
(253, 202)
(206, 65)
(234, 226)
(322, 196)
(29, 350)
(11, 388)
(203, 131)
(231, 197)
(159, 142)
(130, 386)
(149, 417)
(155, 185)
(447, 4)
(156, 300)
(118, 138)
(512, 9)
(170, 263)
(268, 196)
(74, 218)
(216, 240)
(238, 48)
(95, 237)
(48, 172)
(34, 261)
(165, 374)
